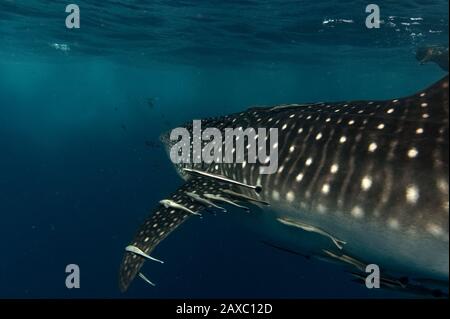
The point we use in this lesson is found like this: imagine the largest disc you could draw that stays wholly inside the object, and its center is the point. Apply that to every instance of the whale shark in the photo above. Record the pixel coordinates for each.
(358, 183)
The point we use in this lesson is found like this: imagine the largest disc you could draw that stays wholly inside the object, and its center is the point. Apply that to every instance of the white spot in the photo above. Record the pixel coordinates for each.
(284, 127)
(146, 239)
(275, 195)
(300, 130)
(413, 152)
(390, 111)
(422, 94)
(319, 136)
(342, 140)
(357, 212)
(412, 194)
(373, 147)
(321, 208)
(425, 116)
(334, 168)
(419, 131)
(424, 105)
(291, 116)
(434, 230)
(395, 101)
(442, 185)
(393, 223)
(381, 126)
(281, 169)
(326, 189)
(244, 163)
(366, 183)
(299, 177)
(309, 161)
(290, 196)
(328, 120)
(351, 122)
(275, 145)
(291, 149)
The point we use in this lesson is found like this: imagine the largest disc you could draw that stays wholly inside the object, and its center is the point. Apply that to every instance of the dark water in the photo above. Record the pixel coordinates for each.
(80, 162)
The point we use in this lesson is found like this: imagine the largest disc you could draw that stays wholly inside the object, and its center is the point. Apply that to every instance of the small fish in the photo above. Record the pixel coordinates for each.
(142, 276)
(204, 201)
(170, 203)
(137, 251)
(222, 199)
(347, 259)
(244, 197)
(222, 179)
(339, 243)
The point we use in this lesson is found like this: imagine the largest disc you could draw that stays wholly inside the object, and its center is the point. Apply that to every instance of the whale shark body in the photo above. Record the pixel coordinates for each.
(358, 183)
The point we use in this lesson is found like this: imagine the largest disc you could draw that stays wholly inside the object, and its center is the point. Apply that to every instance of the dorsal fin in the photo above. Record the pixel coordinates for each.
(427, 106)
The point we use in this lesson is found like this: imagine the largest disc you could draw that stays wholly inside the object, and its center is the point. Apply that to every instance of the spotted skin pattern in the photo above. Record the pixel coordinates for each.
(369, 172)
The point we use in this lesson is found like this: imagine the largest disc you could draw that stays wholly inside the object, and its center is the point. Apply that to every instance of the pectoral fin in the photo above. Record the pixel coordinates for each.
(166, 217)
(187, 202)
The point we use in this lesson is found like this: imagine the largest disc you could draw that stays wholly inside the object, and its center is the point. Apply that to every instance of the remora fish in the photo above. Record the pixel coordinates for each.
(371, 173)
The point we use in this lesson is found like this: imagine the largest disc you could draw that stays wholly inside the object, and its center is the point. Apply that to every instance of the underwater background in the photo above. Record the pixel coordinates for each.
(81, 112)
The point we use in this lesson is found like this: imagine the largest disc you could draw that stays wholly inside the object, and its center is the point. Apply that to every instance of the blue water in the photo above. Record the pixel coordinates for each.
(80, 163)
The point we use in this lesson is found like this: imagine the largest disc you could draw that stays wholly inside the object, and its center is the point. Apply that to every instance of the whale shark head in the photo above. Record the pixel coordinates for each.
(168, 144)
